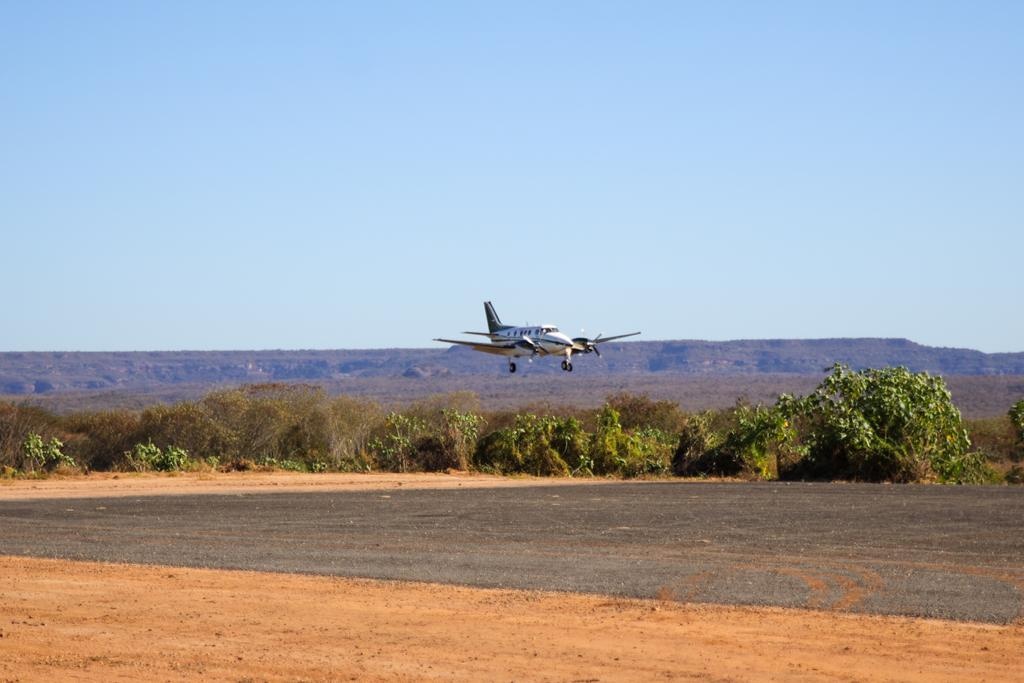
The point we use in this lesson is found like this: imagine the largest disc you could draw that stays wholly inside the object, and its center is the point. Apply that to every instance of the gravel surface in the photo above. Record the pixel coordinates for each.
(928, 551)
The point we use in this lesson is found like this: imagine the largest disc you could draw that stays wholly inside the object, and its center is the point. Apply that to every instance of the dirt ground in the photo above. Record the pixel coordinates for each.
(64, 620)
(150, 484)
(96, 622)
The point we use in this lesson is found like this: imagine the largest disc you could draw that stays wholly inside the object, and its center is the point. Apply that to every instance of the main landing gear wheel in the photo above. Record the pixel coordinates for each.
(511, 367)
(567, 366)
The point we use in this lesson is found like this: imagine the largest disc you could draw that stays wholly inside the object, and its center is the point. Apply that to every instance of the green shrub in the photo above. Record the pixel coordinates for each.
(141, 457)
(45, 456)
(765, 441)
(650, 451)
(614, 450)
(361, 462)
(287, 464)
(567, 437)
(447, 444)
(880, 425)
(533, 444)
(148, 456)
(395, 447)
(1016, 415)
(16, 423)
(435, 434)
(498, 451)
(610, 448)
(699, 451)
(964, 468)
(526, 447)
(172, 459)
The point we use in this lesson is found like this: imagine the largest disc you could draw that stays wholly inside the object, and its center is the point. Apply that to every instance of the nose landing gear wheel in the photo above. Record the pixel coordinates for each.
(567, 366)
(511, 367)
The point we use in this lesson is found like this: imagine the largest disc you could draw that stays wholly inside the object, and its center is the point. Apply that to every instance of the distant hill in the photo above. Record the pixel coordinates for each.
(47, 373)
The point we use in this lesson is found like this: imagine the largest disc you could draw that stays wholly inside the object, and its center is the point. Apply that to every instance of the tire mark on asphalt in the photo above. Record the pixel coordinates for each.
(817, 587)
(835, 586)
(691, 586)
(865, 583)
(853, 593)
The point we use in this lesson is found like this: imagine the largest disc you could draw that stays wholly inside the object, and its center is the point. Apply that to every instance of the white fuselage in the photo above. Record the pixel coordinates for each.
(530, 340)
(542, 340)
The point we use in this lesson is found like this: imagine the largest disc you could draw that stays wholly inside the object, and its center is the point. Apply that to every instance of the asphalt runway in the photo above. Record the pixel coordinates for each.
(927, 551)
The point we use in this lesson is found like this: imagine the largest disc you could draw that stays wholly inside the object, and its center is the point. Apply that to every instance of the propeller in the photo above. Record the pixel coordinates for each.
(585, 345)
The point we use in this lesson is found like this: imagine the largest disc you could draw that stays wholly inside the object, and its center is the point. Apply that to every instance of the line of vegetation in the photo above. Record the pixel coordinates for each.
(873, 425)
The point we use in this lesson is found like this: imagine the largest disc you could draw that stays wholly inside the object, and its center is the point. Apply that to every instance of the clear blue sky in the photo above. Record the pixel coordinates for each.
(250, 175)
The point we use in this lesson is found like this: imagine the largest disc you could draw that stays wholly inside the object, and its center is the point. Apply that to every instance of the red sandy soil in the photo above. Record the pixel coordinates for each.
(84, 621)
(98, 622)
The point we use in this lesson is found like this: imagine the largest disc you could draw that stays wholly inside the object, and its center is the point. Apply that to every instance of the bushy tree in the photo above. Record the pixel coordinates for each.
(350, 426)
(432, 408)
(272, 422)
(102, 437)
(640, 412)
(884, 425)
(187, 426)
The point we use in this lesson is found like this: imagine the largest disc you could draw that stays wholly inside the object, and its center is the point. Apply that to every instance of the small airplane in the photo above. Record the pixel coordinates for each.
(539, 340)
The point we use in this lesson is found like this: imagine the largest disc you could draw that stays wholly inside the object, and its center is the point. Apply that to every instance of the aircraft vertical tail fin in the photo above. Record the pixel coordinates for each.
(493, 321)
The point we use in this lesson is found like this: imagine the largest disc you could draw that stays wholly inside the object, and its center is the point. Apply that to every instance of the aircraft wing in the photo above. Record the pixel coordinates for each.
(601, 340)
(499, 349)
